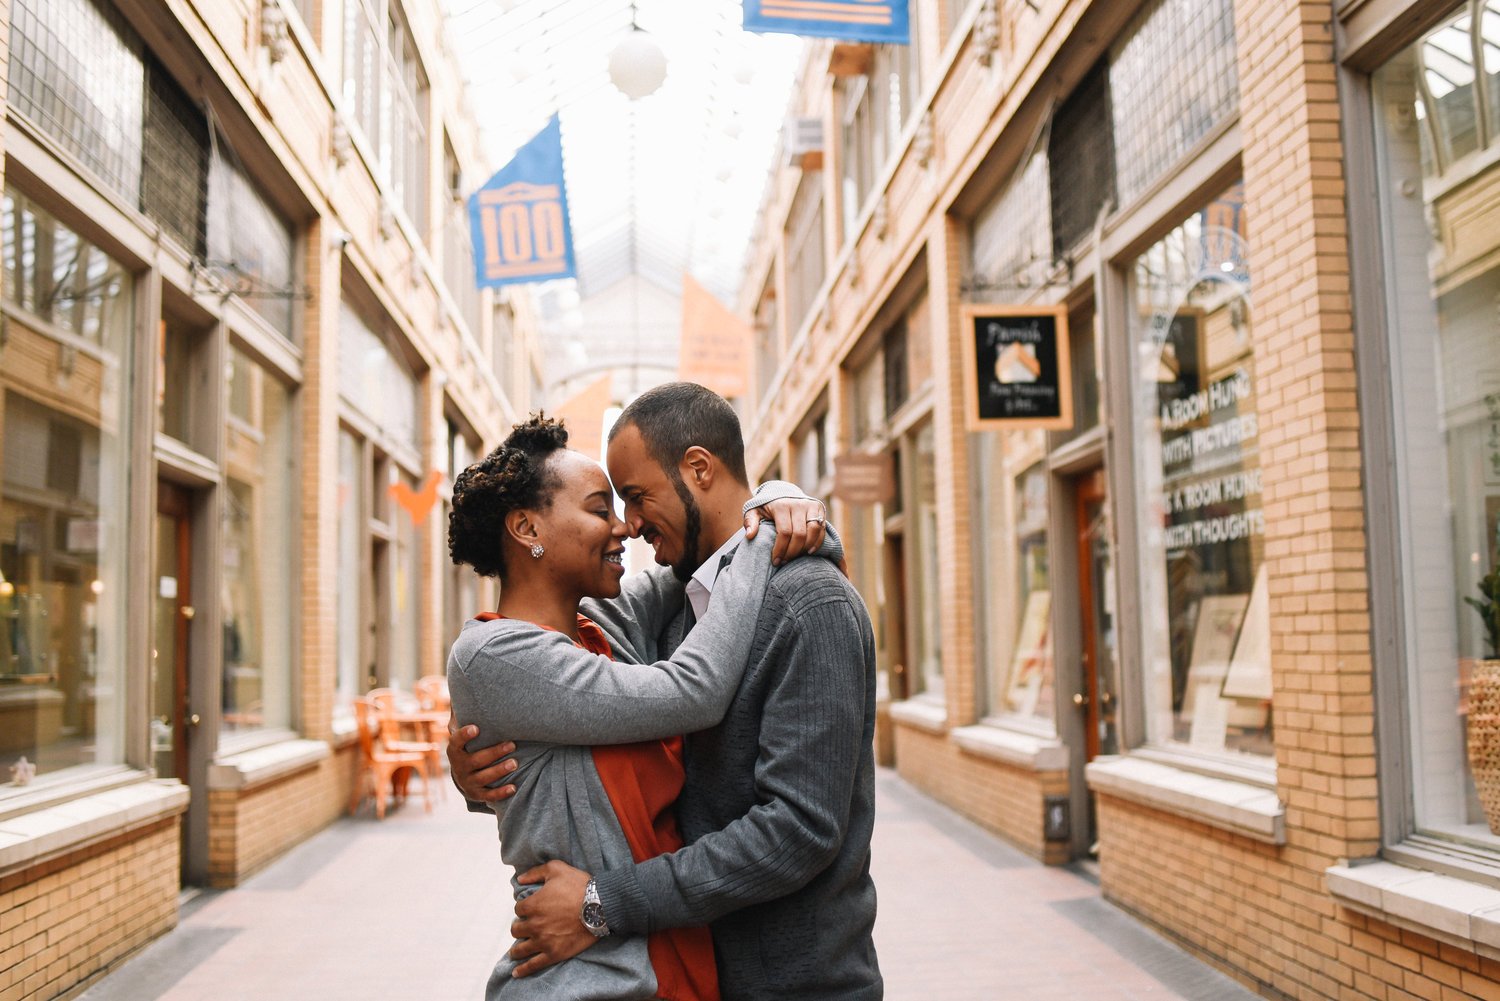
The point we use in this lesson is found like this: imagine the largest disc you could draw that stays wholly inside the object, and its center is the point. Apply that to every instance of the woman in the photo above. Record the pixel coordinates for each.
(541, 518)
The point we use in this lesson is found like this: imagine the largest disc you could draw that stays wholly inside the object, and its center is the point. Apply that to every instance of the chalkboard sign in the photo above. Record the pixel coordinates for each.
(1016, 367)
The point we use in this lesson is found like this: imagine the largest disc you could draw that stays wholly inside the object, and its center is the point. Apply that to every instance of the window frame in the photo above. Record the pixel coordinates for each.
(1401, 839)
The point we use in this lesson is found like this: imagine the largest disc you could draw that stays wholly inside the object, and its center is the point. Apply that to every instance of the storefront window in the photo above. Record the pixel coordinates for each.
(1018, 576)
(352, 534)
(924, 611)
(258, 529)
(405, 664)
(1206, 628)
(64, 373)
(251, 247)
(375, 378)
(1442, 283)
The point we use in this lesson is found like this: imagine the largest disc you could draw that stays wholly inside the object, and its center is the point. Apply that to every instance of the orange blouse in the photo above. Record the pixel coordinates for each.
(643, 782)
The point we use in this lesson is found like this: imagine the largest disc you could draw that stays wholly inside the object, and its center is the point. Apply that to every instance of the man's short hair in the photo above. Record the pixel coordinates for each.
(674, 417)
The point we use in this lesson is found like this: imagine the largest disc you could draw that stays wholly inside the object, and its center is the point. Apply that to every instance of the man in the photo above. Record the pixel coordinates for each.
(779, 802)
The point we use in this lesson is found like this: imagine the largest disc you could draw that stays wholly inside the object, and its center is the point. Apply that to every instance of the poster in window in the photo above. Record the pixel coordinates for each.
(1016, 367)
(1028, 665)
(1214, 635)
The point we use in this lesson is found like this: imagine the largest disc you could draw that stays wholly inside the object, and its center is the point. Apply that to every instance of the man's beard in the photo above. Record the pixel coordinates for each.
(689, 560)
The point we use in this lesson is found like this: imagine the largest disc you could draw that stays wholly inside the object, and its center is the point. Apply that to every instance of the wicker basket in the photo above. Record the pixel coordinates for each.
(1484, 736)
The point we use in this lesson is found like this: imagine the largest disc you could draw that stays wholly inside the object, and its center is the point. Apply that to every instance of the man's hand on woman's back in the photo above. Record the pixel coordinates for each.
(474, 773)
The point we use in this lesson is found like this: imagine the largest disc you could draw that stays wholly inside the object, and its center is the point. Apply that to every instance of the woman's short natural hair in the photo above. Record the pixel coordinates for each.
(512, 477)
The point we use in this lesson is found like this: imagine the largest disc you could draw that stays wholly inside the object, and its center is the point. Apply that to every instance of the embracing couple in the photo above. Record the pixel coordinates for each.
(734, 861)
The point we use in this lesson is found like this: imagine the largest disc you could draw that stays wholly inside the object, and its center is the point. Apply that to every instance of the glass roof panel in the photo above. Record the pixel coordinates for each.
(666, 184)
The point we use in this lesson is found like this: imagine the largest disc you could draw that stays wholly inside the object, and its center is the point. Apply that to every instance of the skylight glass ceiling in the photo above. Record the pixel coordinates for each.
(668, 183)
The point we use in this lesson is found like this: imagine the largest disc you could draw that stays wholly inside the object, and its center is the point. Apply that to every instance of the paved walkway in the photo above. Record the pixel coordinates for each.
(416, 909)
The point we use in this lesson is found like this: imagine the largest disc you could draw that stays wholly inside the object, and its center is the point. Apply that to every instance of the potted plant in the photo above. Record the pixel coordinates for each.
(1484, 701)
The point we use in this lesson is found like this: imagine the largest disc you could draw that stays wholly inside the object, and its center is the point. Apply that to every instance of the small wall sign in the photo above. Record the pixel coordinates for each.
(1016, 367)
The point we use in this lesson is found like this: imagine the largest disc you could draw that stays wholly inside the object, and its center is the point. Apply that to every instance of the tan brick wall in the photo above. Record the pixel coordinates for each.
(250, 828)
(70, 918)
(1002, 798)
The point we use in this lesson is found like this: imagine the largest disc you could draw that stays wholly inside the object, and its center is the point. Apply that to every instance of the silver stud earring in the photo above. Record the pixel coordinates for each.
(537, 550)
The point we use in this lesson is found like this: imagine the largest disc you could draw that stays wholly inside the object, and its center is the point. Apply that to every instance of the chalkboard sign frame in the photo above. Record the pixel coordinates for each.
(970, 317)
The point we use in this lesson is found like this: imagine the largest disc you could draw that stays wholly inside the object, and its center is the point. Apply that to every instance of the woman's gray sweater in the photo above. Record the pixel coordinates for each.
(517, 681)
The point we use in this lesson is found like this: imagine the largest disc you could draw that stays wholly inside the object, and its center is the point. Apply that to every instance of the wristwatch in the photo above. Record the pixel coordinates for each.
(592, 915)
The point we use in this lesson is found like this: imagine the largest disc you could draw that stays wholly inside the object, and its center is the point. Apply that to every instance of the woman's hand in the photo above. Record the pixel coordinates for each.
(799, 526)
(473, 773)
(549, 924)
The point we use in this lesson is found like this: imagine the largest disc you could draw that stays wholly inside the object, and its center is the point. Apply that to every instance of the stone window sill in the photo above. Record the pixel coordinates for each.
(921, 714)
(263, 764)
(30, 838)
(1453, 910)
(1248, 810)
(1024, 750)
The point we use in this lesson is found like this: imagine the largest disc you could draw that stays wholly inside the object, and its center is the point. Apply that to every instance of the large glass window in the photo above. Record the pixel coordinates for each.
(1172, 79)
(924, 609)
(76, 72)
(805, 265)
(1206, 628)
(250, 246)
(405, 664)
(1441, 280)
(257, 565)
(64, 378)
(386, 90)
(876, 107)
(1018, 577)
(375, 378)
(352, 502)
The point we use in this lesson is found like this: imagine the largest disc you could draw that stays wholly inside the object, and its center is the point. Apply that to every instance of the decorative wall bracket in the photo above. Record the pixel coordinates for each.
(924, 143)
(340, 143)
(273, 31)
(987, 33)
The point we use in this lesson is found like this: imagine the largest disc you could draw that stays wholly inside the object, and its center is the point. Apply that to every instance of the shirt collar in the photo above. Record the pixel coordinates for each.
(700, 587)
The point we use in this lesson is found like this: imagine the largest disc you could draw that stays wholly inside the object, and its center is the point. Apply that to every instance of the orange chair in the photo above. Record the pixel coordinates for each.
(432, 692)
(379, 764)
(431, 750)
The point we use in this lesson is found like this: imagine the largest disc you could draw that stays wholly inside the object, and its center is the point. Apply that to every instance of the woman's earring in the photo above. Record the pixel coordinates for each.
(537, 550)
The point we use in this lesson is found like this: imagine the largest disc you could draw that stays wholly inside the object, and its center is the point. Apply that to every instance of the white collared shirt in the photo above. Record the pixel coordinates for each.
(700, 587)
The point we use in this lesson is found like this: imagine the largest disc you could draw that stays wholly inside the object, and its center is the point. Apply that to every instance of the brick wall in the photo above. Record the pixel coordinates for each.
(250, 828)
(1000, 797)
(68, 919)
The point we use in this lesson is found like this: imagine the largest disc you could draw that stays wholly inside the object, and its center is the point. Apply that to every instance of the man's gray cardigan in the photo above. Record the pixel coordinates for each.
(778, 808)
(516, 681)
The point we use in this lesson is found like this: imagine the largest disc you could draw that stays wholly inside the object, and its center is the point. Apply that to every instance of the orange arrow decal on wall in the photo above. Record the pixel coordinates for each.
(418, 503)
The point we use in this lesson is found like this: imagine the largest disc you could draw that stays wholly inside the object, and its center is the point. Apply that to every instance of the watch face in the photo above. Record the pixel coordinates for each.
(593, 916)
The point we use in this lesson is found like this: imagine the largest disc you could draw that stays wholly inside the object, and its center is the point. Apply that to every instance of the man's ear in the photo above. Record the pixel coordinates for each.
(522, 527)
(699, 467)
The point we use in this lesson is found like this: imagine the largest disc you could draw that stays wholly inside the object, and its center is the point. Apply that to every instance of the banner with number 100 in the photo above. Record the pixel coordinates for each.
(518, 220)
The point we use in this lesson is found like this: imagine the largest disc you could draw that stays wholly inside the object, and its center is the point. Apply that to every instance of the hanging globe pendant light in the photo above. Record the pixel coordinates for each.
(637, 65)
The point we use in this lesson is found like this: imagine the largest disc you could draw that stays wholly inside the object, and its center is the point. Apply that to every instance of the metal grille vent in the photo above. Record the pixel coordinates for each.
(174, 160)
(1081, 158)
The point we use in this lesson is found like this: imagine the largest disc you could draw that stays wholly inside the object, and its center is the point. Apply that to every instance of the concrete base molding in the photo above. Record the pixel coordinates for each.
(1449, 909)
(1238, 807)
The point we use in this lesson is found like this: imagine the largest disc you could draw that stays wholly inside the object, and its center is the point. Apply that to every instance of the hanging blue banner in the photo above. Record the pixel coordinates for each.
(519, 219)
(850, 20)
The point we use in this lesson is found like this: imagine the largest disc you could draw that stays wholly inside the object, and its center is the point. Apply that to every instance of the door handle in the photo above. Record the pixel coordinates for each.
(1080, 700)
(188, 611)
(194, 719)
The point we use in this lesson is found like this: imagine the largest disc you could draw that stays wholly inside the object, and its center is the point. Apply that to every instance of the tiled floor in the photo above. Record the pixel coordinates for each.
(417, 908)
